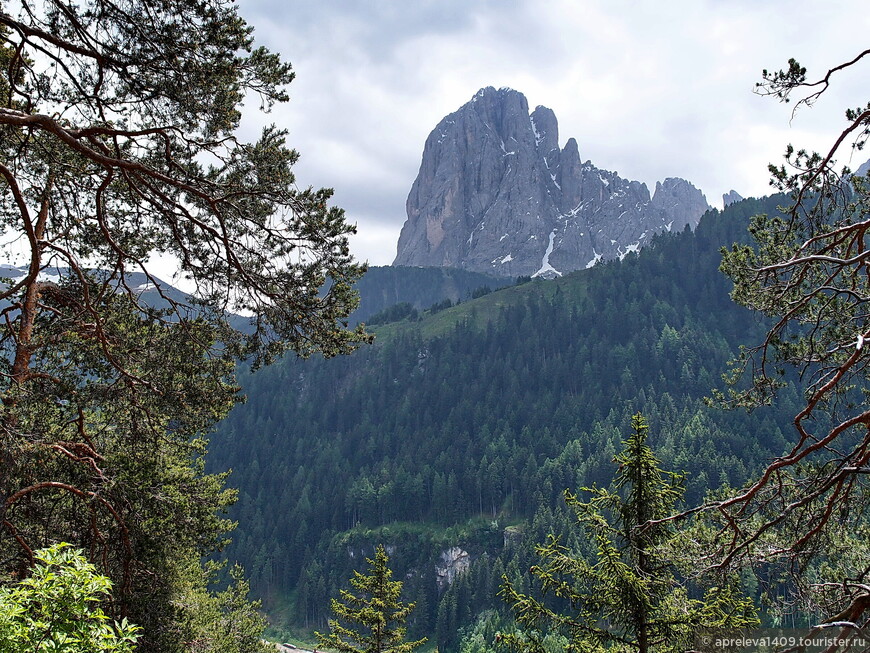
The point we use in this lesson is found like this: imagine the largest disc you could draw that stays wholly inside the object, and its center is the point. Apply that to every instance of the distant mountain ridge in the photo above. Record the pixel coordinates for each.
(151, 291)
(385, 286)
(380, 287)
(495, 194)
(137, 282)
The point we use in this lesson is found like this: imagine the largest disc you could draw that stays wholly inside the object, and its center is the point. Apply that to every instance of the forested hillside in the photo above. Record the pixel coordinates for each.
(462, 428)
(384, 287)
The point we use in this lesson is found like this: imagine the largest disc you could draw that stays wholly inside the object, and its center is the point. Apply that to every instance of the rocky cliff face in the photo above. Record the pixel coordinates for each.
(453, 562)
(496, 194)
(731, 197)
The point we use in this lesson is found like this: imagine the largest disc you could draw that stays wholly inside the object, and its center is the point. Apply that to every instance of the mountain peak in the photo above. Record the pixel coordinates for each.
(496, 194)
(492, 90)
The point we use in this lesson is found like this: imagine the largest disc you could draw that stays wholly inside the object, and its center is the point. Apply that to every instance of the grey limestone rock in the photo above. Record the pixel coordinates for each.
(731, 197)
(453, 562)
(496, 194)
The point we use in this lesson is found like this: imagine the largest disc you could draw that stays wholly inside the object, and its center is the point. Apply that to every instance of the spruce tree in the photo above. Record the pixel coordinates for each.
(371, 621)
(630, 598)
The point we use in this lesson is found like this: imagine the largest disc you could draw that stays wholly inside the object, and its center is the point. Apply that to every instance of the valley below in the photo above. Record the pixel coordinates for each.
(453, 438)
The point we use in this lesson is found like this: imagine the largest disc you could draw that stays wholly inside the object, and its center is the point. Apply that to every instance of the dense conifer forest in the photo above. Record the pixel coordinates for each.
(462, 427)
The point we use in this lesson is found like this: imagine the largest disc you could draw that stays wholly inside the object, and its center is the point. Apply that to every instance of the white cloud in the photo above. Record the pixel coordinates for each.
(649, 89)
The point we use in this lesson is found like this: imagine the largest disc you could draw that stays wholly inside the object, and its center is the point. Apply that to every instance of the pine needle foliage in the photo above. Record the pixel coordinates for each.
(120, 147)
(371, 621)
(630, 598)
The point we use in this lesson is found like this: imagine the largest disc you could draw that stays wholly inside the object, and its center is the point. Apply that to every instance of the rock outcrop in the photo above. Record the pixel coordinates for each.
(731, 197)
(496, 194)
(453, 562)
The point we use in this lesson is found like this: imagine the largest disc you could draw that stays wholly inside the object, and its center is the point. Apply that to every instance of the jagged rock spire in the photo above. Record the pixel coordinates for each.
(496, 194)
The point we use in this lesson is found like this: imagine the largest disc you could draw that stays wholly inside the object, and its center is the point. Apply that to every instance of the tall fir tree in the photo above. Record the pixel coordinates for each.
(375, 617)
(631, 598)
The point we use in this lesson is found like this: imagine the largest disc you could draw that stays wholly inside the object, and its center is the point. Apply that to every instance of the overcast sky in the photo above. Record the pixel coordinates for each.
(650, 89)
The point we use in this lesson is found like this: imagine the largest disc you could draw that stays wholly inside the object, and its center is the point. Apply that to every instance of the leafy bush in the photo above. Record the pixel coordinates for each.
(55, 609)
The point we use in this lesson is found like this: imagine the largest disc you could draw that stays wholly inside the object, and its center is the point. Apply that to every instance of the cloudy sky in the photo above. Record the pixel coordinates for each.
(649, 89)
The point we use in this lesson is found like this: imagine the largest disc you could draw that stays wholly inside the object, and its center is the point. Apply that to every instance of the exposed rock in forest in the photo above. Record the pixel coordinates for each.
(453, 562)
